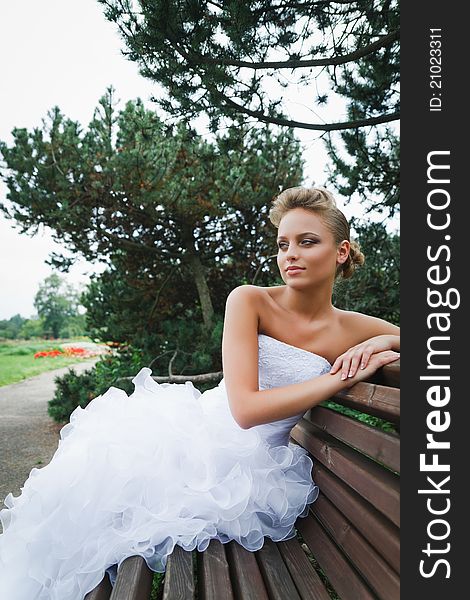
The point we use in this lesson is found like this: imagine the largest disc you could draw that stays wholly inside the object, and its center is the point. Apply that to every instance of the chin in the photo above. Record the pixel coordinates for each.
(297, 284)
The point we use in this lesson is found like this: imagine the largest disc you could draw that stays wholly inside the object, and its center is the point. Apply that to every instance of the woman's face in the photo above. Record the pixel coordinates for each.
(305, 242)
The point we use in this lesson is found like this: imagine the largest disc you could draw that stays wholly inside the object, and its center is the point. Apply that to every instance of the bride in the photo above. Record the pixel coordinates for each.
(168, 465)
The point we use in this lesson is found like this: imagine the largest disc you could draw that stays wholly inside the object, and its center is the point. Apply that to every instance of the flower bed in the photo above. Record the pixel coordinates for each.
(69, 351)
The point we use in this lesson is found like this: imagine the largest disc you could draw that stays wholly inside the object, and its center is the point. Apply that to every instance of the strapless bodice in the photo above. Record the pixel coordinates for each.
(280, 364)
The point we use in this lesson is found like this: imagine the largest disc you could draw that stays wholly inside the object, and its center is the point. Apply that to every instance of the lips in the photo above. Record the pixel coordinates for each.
(294, 269)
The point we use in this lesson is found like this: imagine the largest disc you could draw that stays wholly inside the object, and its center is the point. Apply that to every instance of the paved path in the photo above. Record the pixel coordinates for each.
(28, 436)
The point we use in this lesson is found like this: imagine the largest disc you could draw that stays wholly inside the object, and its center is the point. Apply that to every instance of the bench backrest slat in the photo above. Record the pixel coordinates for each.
(388, 375)
(380, 445)
(381, 533)
(377, 572)
(374, 483)
(377, 400)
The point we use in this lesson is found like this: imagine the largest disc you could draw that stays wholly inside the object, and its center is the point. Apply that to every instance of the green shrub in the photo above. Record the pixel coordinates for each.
(73, 389)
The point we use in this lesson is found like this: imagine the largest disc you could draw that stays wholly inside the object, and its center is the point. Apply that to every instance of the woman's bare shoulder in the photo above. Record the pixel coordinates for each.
(252, 293)
(365, 326)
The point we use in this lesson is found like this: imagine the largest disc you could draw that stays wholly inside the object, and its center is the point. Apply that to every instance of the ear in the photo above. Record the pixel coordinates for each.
(342, 252)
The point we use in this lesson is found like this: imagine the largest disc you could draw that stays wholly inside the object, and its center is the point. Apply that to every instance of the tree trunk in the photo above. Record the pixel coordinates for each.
(197, 270)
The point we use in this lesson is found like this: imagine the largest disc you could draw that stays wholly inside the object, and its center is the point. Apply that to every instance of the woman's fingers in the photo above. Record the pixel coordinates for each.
(356, 359)
(383, 358)
(377, 360)
(347, 363)
(362, 360)
(345, 366)
(337, 364)
(368, 351)
(390, 356)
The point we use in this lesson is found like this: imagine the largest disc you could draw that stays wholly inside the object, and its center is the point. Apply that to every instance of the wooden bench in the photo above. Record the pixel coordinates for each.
(346, 548)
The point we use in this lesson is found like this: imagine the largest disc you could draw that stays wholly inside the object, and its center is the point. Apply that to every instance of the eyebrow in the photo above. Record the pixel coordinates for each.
(283, 237)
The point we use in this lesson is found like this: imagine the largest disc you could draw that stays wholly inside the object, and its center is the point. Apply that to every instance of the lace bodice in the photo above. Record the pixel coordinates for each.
(281, 364)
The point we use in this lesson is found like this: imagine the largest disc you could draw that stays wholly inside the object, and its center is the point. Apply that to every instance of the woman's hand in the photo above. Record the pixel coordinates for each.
(359, 356)
(376, 361)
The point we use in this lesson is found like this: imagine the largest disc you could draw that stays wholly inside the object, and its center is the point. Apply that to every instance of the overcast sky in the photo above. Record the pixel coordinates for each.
(65, 53)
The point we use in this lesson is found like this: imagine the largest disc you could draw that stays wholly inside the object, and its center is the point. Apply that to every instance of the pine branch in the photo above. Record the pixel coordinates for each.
(382, 42)
(393, 116)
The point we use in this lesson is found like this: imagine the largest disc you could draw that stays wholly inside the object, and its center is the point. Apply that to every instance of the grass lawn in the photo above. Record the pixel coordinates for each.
(17, 360)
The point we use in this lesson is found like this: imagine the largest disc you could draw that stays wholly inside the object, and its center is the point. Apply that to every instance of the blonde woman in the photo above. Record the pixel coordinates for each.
(137, 475)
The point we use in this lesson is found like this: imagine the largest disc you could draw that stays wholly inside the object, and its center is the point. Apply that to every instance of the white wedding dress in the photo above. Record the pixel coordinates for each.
(135, 475)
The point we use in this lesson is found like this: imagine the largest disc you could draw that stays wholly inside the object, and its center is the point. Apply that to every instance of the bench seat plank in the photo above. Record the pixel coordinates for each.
(214, 575)
(307, 581)
(247, 582)
(102, 591)
(179, 576)
(133, 581)
(276, 576)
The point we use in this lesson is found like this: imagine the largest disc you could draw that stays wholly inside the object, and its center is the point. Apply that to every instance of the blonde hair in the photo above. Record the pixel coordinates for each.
(319, 200)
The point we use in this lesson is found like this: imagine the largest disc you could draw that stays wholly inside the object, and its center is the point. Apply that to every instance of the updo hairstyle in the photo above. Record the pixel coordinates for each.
(322, 202)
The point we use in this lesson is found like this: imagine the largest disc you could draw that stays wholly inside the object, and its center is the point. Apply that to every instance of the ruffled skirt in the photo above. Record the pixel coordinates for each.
(135, 475)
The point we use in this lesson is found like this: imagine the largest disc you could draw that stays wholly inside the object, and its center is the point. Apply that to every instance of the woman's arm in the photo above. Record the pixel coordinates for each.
(249, 405)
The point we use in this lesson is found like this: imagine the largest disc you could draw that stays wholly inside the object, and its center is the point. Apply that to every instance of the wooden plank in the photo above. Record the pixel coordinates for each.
(102, 591)
(214, 576)
(247, 581)
(306, 579)
(179, 576)
(378, 574)
(348, 584)
(381, 446)
(377, 529)
(276, 576)
(133, 581)
(388, 375)
(378, 400)
(374, 483)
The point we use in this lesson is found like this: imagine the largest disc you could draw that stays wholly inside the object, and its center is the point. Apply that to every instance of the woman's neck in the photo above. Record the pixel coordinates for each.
(307, 304)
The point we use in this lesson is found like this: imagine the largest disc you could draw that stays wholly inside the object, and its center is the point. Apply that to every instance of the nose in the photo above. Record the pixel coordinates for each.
(292, 252)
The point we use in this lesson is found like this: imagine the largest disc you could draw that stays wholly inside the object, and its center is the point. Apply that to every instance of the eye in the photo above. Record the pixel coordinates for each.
(281, 245)
(309, 241)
